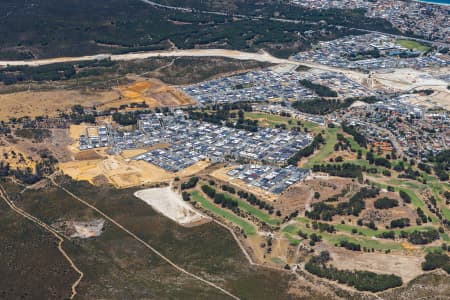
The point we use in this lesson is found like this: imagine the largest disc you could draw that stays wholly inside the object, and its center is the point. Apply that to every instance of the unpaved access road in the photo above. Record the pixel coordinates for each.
(239, 55)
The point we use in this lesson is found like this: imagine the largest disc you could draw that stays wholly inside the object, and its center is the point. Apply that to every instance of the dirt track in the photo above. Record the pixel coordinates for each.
(240, 55)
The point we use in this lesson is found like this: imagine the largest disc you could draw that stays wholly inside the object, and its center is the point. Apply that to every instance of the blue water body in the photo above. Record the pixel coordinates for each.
(445, 2)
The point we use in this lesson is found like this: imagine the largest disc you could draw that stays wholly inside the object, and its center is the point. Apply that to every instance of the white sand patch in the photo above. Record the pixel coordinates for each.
(87, 230)
(79, 229)
(170, 204)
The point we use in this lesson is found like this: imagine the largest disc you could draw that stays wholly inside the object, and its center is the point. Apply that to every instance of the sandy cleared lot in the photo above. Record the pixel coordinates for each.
(170, 204)
(406, 79)
(83, 230)
(153, 92)
(407, 267)
(123, 172)
(49, 103)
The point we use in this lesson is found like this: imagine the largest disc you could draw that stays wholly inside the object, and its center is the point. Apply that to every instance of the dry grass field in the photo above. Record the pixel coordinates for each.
(49, 103)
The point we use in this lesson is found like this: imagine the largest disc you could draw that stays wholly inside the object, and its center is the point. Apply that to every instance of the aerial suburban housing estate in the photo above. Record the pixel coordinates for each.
(225, 149)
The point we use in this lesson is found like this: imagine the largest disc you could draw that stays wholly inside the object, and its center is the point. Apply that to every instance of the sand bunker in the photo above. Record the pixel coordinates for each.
(170, 204)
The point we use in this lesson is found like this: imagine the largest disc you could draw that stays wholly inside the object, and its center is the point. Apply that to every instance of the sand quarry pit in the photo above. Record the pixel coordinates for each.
(170, 204)
(82, 230)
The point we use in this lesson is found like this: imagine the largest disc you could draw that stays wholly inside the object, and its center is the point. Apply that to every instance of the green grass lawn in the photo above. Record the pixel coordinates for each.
(371, 233)
(413, 45)
(273, 120)
(277, 260)
(367, 242)
(292, 240)
(246, 226)
(255, 211)
(325, 150)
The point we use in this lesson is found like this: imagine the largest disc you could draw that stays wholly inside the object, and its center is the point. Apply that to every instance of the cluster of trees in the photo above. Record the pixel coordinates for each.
(228, 189)
(361, 280)
(126, 118)
(191, 183)
(321, 106)
(347, 170)
(220, 198)
(387, 235)
(424, 167)
(186, 196)
(53, 72)
(422, 217)
(78, 115)
(442, 164)
(246, 124)
(410, 174)
(421, 237)
(36, 134)
(385, 203)
(225, 201)
(400, 223)
(223, 115)
(350, 245)
(317, 106)
(253, 200)
(210, 191)
(4, 169)
(307, 151)
(358, 137)
(323, 211)
(323, 227)
(320, 90)
(342, 144)
(405, 196)
(435, 260)
(44, 167)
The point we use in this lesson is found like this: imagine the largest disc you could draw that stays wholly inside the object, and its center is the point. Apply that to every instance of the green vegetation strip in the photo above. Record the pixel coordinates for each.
(254, 211)
(371, 233)
(337, 238)
(409, 44)
(273, 120)
(325, 150)
(248, 228)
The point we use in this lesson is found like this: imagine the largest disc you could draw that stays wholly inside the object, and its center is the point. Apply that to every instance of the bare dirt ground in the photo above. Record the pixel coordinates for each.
(49, 103)
(152, 91)
(407, 267)
(22, 153)
(383, 217)
(79, 229)
(123, 172)
(15, 158)
(406, 79)
(170, 204)
(97, 166)
(300, 196)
